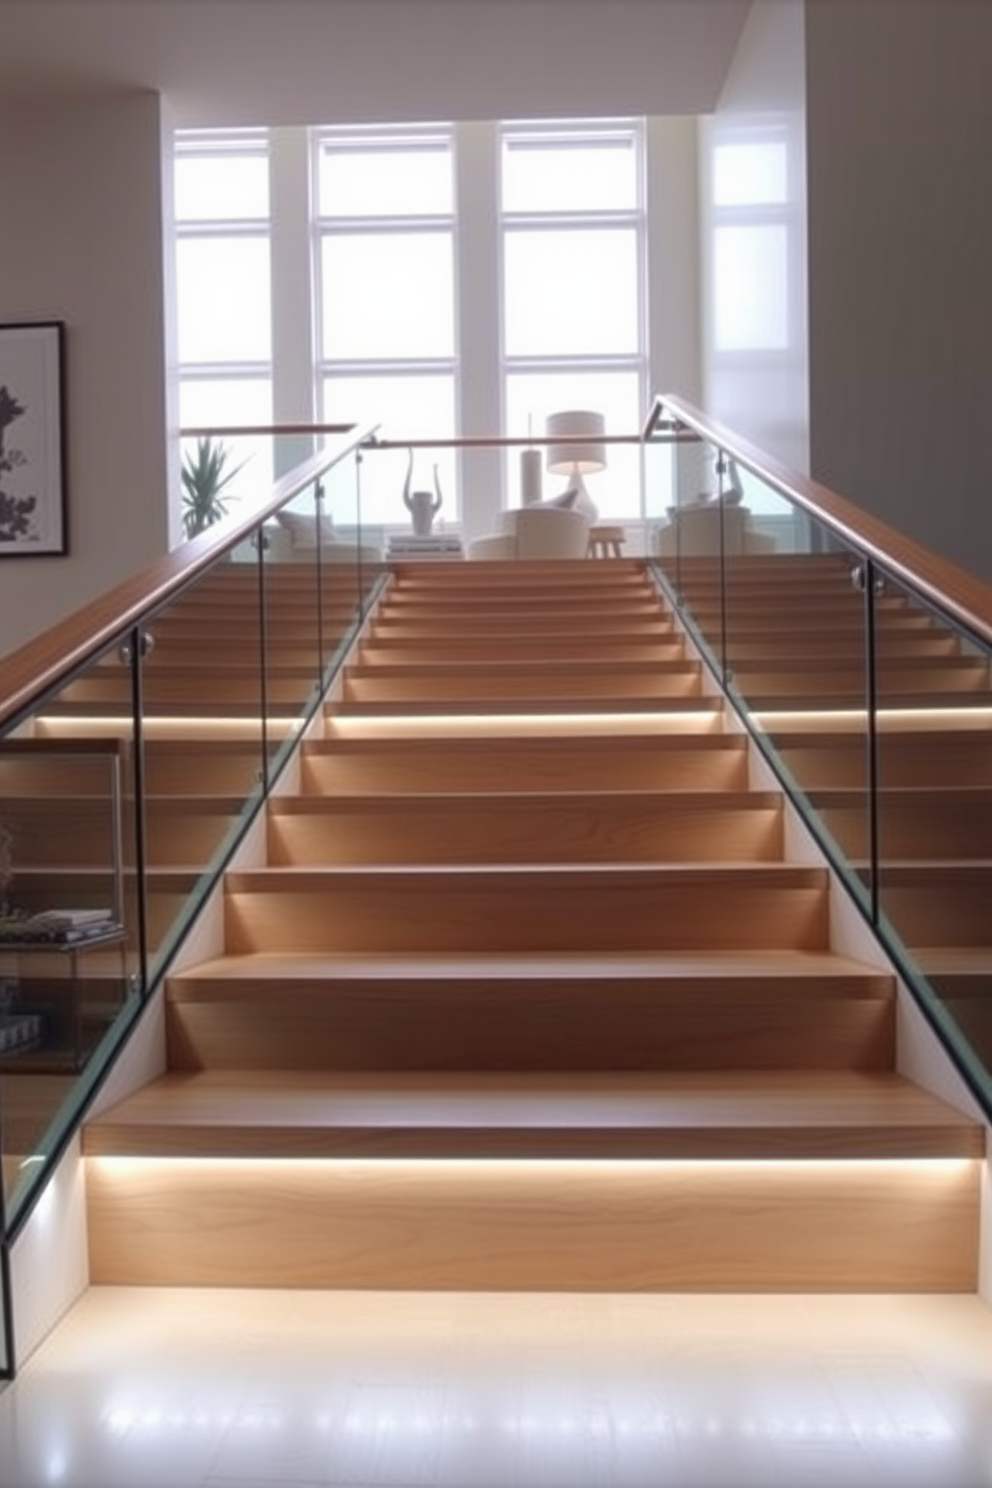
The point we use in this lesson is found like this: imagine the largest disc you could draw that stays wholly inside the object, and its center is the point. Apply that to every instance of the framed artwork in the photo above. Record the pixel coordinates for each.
(32, 465)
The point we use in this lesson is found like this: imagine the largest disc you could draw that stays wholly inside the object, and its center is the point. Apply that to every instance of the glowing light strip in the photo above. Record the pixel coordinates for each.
(128, 1167)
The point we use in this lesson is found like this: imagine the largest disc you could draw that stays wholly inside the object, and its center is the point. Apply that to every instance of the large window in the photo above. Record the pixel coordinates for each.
(459, 279)
(224, 291)
(384, 213)
(573, 229)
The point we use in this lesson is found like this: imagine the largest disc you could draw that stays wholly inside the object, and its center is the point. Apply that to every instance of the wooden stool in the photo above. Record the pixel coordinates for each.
(605, 542)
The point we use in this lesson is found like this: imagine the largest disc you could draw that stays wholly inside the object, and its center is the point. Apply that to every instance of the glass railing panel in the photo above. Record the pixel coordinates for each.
(294, 626)
(319, 572)
(353, 564)
(687, 540)
(70, 947)
(659, 481)
(934, 811)
(797, 654)
(202, 757)
(777, 607)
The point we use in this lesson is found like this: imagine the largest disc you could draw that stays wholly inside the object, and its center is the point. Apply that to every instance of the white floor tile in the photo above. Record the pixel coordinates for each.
(225, 1389)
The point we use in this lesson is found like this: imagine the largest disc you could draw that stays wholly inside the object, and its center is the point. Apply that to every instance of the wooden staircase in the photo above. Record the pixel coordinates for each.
(528, 996)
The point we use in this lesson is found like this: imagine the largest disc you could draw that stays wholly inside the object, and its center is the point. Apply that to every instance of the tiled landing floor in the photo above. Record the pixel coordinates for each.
(239, 1390)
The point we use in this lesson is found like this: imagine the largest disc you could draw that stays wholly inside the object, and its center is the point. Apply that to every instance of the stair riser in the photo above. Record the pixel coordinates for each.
(940, 912)
(484, 580)
(580, 628)
(831, 647)
(933, 829)
(928, 679)
(231, 772)
(523, 648)
(518, 831)
(521, 1025)
(522, 916)
(542, 768)
(925, 763)
(522, 618)
(195, 688)
(576, 1227)
(685, 682)
(539, 602)
(60, 834)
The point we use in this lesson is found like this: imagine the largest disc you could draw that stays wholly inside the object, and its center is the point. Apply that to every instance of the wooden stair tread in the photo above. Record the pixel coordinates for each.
(440, 878)
(478, 669)
(747, 965)
(659, 705)
(550, 743)
(738, 1114)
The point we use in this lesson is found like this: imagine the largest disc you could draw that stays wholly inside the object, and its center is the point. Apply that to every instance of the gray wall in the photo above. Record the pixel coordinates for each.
(899, 120)
(761, 392)
(82, 241)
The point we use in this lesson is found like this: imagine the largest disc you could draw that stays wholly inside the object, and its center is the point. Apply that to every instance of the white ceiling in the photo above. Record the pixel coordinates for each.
(321, 61)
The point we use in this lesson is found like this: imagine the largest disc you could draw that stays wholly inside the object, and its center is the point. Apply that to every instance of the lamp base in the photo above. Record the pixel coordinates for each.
(583, 501)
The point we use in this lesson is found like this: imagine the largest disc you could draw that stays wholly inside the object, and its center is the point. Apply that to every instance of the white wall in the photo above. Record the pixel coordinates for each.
(899, 123)
(81, 240)
(758, 391)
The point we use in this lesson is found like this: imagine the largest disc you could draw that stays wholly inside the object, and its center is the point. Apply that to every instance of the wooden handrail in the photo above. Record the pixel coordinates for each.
(965, 599)
(38, 664)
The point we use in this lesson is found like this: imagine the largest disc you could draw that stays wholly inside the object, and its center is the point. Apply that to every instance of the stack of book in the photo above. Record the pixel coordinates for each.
(436, 545)
(58, 927)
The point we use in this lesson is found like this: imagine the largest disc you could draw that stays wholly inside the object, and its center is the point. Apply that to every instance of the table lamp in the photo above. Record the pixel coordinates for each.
(580, 452)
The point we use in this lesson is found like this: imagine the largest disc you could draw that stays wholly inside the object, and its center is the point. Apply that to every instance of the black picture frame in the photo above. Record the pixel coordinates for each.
(32, 439)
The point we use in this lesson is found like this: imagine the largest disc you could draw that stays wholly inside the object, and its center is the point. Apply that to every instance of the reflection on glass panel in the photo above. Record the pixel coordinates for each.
(375, 179)
(294, 643)
(224, 185)
(571, 292)
(206, 401)
(387, 295)
(797, 652)
(750, 173)
(935, 806)
(202, 696)
(69, 941)
(531, 396)
(405, 408)
(659, 482)
(750, 287)
(569, 173)
(224, 291)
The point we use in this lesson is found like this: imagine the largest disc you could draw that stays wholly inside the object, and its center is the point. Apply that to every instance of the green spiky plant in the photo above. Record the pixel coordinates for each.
(205, 475)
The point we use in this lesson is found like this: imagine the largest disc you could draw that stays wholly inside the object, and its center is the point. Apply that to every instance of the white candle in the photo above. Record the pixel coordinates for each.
(530, 476)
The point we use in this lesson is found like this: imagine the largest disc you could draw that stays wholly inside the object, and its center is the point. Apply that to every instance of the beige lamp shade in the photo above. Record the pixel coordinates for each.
(580, 452)
(584, 450)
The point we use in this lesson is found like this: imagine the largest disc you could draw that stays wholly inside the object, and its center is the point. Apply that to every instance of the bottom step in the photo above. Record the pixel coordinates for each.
(783, 1226)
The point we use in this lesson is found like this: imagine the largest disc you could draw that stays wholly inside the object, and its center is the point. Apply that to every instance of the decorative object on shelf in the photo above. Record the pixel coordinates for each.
(205, 476)
(32, 458)
(423, 506)
(580, 453)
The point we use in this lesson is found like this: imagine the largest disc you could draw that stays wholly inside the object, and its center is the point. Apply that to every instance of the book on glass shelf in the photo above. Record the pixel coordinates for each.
(58, 927)
(70, 919)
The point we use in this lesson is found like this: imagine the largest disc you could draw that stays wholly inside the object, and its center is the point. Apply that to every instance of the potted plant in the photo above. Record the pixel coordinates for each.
(205, 475)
